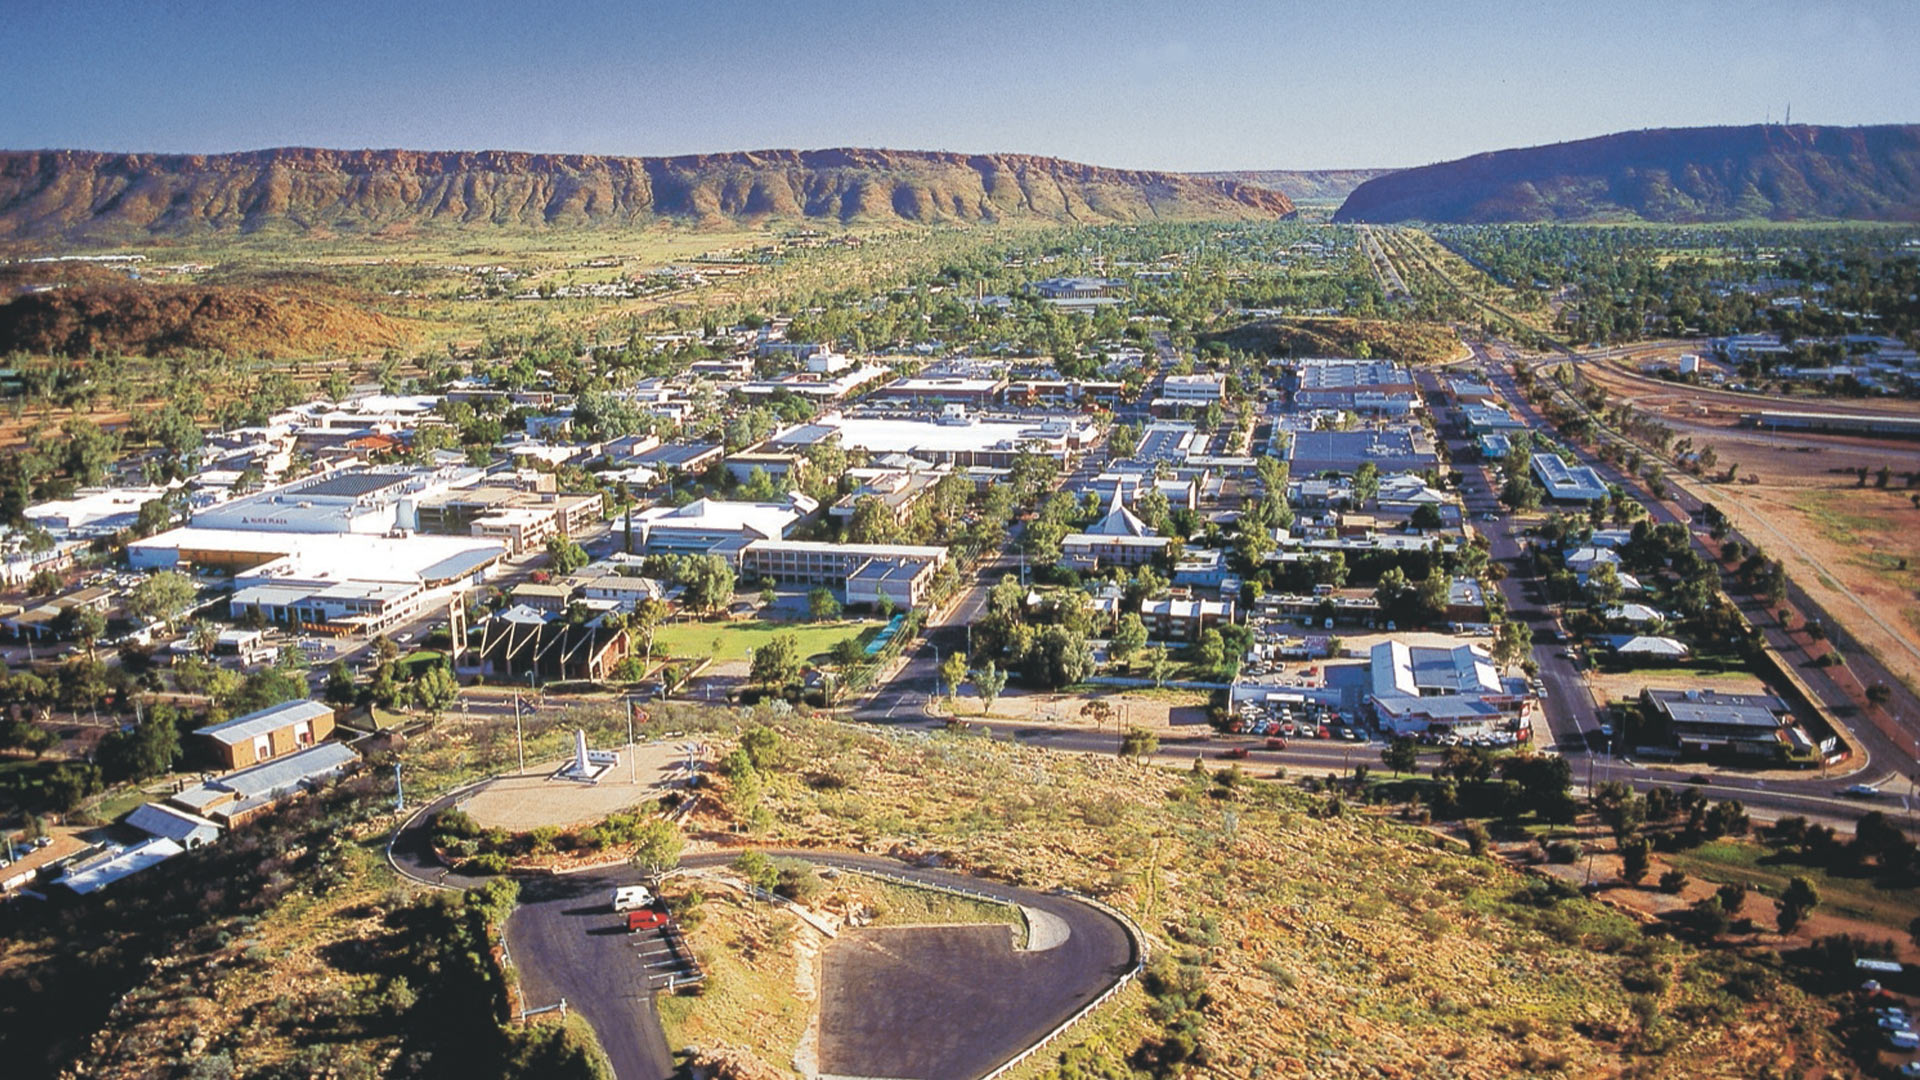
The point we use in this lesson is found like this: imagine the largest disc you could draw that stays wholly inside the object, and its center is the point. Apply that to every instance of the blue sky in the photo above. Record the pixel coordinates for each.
(1174, 84)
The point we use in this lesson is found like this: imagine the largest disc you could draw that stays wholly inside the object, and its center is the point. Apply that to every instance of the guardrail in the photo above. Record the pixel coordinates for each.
(1141, 947)
(1135, 936)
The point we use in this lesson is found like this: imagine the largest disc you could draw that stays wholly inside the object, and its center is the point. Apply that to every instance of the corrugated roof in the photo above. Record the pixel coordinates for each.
(273, 718)
(282, 775)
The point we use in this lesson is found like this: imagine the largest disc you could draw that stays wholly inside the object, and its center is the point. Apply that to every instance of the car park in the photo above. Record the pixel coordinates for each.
(1906, 1040)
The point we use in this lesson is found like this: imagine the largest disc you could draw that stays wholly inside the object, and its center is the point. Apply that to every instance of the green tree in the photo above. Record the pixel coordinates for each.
(872, 522)
(1797, 901)
(709, 582)
(1138, 744)
(1129, 637)
(1159, 666)
(1366, 483)
(648, 614)
(1210, 651)
(1062, 657)
(149, 749)
(1401, 755)
(435, 691)
(340, 689)
(82, 624)
(953, 671)
(758, 870)
(564, 556)
(657, 847)
(1520, 493)
(777, 663)
(988, 682)
(1634, 860)
(162, 596)
(822, 605)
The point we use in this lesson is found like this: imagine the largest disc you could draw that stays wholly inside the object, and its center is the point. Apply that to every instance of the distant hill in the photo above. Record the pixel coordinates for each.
(1303, 185)
(66, 195)
(1675, 175)
(160, 320)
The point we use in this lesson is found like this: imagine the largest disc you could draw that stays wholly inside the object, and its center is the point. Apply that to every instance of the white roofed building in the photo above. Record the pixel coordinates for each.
(1419, 689)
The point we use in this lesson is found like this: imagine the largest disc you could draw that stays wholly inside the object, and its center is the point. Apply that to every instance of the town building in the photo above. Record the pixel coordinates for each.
(825, 385)
(794, 562)
(704, 525)
(268, 733)
(368, 500)
(1391, 448)
(93, 512)
(1118, 539)
(523, 518)
(513, 650)
(1419, 689)
(1568, 483)
(1183, 619)
(330, 582)
(974, 391)
(238, 797)
(186, 829)
(96, 872)
(1708, 722)
(961, 440)
(1359, 386)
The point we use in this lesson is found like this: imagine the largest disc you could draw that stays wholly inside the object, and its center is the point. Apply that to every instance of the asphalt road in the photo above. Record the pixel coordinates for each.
(566, 943)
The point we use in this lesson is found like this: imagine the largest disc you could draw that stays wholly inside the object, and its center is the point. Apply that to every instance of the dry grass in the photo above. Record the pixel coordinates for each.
(1332, 946)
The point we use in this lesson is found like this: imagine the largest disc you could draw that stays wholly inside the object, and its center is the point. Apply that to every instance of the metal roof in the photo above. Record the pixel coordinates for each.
(273, 718)
(282, 775)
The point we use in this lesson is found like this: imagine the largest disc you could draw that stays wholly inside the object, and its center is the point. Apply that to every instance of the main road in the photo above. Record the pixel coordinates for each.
(1890, 750)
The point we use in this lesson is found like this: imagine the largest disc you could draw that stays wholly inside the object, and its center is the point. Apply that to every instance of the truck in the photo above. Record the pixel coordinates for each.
(631, 898)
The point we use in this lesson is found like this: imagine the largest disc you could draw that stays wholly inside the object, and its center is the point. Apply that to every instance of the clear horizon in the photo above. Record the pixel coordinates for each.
(1216, 86)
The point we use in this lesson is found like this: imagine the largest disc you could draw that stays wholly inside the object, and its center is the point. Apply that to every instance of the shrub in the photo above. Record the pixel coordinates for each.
(1476, 838)
(489, 863)
(1673, 881)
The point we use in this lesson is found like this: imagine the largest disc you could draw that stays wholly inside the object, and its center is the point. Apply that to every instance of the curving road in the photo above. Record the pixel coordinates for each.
(566, 943)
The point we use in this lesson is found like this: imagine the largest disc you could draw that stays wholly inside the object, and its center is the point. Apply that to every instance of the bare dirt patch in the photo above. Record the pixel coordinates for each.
(519, 803)
(1621, 685)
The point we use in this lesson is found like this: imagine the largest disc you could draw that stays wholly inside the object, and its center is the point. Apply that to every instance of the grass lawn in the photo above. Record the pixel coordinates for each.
(1755, 865)
(730, 641)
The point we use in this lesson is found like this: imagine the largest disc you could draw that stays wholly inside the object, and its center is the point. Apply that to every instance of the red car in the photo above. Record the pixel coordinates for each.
(1276, 744)
(646, 919)
(1235, 752)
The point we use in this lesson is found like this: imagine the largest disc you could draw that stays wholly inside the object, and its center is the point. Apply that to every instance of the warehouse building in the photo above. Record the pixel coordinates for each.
(268, 733)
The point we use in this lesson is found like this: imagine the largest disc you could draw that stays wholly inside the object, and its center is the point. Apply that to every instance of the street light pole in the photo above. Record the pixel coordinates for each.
(519, 736)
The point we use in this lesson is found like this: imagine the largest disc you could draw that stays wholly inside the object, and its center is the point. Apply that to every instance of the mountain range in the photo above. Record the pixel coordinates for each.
(1303, 185)
(73, 195)
(1763, 171)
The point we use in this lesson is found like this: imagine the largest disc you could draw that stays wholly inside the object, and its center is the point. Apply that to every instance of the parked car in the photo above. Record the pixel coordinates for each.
(1907, 1041)
(646, 919)
(631, 898)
